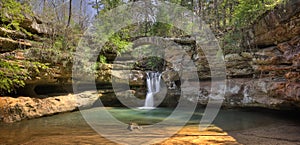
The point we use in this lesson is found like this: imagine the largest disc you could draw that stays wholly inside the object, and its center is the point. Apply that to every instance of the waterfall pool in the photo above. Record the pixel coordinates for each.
(71, 128)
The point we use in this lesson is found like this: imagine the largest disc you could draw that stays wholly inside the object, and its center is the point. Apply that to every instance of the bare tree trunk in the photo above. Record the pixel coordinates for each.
(44, 5)
(231, 4)
(225, 14)
(97, 6)
(216, 16)
(70, 13)
(202, 9)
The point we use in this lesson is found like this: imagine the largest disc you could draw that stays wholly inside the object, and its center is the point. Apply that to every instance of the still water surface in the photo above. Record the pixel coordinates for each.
(71, 128)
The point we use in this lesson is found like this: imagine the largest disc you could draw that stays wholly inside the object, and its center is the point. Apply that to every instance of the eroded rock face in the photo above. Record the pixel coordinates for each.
(279, 61)
(7, 44)
(34, 25)
(271, 74)
(16, 109)
(107, 75)
(280, 64)
(275, 64)
(12, 34)
(252, 93)
(238, 65)
(278, 25)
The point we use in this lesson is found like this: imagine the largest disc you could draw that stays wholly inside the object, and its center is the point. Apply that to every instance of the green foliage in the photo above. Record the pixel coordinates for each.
(161, 29)
(14, 73)
(50, 56)
(102, 59)
(231, 42)
(105, 5)
(150, 57)
(154, 63)
(11, 76)
(12, 14)
(247, 11)
(110, 4)
(117, 43)
(59, 43)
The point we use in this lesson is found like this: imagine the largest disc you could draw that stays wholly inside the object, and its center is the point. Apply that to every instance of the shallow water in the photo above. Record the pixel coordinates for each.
(71, 128)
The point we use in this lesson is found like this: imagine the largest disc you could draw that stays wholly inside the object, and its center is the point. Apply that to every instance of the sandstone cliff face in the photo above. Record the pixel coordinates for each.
(268, 77)
(279, 62)
(11, 39)
(270, 74)
(279, 25)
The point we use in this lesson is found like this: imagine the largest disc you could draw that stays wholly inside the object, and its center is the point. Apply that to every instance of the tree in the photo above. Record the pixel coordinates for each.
(247, 11)
(70, 13)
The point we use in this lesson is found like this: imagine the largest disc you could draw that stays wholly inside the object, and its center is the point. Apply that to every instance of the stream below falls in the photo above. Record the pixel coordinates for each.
(71, 128)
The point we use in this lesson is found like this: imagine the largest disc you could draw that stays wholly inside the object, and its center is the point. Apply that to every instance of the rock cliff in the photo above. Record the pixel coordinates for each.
(267, 76)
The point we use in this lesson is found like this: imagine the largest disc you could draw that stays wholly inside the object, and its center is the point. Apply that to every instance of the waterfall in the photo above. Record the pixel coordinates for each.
(153, 86)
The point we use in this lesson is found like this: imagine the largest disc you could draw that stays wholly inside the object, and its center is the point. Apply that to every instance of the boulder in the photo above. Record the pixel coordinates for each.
(17, 109)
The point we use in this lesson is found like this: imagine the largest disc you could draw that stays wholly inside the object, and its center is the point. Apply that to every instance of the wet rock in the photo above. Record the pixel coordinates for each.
(131, 77)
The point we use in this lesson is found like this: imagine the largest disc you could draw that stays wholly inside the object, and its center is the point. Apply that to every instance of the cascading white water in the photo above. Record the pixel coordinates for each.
(153, 86)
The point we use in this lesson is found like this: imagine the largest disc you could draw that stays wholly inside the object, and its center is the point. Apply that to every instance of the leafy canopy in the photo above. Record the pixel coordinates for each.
(247, 11)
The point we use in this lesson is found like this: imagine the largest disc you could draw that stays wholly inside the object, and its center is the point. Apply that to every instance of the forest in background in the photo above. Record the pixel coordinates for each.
(68, 20)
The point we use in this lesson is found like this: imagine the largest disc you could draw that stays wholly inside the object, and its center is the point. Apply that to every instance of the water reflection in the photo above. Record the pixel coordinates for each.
(71, 127)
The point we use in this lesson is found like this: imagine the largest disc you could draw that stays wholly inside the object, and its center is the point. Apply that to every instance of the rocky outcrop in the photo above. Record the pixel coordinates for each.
(34, 25)
(240, 92)
(253, 93)
(268, 77)
(278, 58)
(278, 25)
(12, 34)
(7, 44)
(16, 109)
(120, 74)
(239, 65)
(280, 62)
